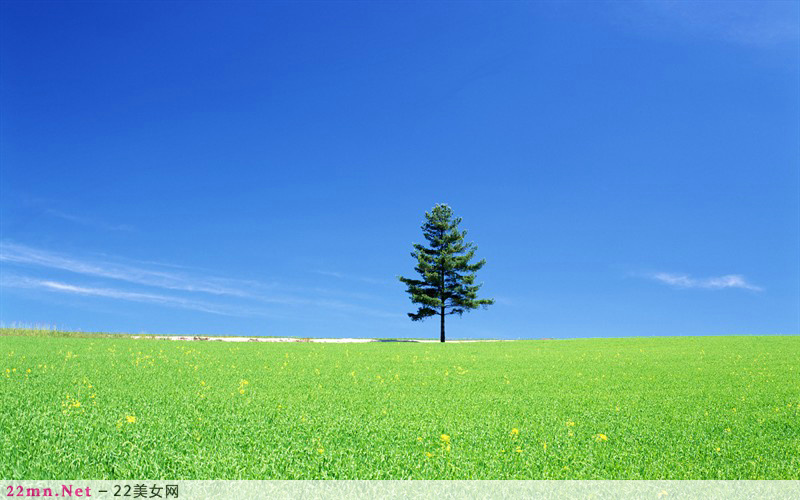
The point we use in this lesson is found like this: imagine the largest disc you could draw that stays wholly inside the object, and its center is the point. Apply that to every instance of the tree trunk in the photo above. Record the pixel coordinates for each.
(442, 330)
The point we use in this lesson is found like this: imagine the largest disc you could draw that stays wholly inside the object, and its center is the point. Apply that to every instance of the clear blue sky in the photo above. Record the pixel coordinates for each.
(263, 168)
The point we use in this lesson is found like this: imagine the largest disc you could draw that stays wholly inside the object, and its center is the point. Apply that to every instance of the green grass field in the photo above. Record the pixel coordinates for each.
(640, 408)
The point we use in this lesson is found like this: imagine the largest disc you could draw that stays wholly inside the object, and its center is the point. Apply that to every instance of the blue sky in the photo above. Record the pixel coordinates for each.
(626, 169)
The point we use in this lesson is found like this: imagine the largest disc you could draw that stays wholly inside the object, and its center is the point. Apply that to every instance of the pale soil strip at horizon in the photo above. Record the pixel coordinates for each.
(315, 340)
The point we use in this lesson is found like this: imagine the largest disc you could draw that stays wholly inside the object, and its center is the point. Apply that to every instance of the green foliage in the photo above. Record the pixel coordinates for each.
(669, 408)
(447, 278)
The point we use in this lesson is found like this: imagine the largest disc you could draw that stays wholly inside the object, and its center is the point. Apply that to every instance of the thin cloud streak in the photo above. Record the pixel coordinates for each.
(169, 280)
(84, 221)
(20, 254)
(713, 283)
(112, 293)
(352, 277)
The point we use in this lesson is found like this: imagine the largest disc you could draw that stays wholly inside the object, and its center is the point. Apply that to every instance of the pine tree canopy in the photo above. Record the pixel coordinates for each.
(447, 278)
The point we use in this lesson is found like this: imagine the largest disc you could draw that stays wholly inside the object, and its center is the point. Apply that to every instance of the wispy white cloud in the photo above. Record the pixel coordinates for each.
(351, 277)
(86, 221)
(251, 295)
(113, 293)
(21, 254)
(713, 283)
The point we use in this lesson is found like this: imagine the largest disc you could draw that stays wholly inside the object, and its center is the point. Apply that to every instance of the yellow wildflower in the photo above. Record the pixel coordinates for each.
(600, 437)
(131, 419)
(518, 450)
(320, 450)
(515, 432)
(428, 454)
(241, 391)
(570, 423)
(445, 438)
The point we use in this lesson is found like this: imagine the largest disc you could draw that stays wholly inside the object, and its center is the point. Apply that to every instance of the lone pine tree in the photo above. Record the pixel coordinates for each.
(447, 284)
